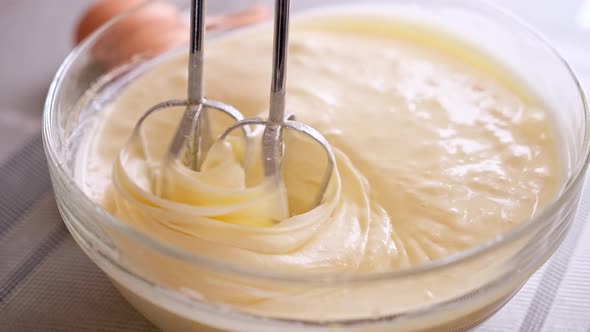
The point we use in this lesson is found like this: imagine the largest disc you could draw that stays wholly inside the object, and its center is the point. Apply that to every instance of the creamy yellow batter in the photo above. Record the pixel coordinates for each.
(435, 155)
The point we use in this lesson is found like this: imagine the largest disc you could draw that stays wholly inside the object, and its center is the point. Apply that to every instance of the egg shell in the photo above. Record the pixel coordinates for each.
(148, 31)
(100, 13)
(149, 42)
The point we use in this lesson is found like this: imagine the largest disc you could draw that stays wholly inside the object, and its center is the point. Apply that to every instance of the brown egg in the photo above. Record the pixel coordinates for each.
(99, 14)
(148, 31)
(148, 42)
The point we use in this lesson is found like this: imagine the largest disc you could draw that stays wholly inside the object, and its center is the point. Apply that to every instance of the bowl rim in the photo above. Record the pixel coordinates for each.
(538, 220)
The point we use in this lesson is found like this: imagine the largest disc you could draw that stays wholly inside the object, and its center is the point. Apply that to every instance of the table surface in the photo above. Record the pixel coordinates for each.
(48, 284)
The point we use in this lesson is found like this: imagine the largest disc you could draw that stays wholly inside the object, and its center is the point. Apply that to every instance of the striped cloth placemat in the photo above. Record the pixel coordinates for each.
(48, 284)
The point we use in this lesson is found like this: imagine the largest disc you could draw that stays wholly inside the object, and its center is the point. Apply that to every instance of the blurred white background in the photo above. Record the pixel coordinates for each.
(565, 22)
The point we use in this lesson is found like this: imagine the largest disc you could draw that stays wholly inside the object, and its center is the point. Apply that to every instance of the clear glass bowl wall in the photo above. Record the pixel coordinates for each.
(136, 263)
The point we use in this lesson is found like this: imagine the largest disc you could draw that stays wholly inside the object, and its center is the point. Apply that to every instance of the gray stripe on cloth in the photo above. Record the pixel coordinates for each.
(571, 308)
(23, 179)
(67, 292)
(45, 248)
(16, 129)
(552, 277)
(25, 236)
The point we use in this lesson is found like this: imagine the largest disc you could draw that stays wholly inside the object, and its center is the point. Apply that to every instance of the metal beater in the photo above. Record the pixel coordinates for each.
(194, 136)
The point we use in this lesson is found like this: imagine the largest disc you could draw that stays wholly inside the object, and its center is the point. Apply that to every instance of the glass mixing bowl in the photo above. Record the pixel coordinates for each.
(143, 268)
